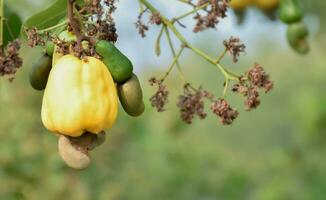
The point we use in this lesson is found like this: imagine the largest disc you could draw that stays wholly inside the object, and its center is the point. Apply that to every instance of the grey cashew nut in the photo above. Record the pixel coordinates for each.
(72, 156)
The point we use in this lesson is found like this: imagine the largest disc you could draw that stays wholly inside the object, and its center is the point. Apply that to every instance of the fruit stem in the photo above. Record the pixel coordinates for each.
(76, 27)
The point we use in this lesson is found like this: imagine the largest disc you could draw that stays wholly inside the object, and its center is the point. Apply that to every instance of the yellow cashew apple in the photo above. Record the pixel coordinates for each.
(80, 96)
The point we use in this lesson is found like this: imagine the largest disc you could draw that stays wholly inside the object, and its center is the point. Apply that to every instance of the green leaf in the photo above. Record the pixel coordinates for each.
(11, 25)
(47, 17)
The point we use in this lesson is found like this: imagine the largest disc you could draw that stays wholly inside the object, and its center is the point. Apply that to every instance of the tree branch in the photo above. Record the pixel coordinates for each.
(76, 27)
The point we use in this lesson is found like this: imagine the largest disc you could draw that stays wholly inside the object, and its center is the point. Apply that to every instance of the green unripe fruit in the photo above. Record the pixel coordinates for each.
(118, 64)
(131, 97)
(290, 11)
(49, 48)
(297, 34)
(40, 72)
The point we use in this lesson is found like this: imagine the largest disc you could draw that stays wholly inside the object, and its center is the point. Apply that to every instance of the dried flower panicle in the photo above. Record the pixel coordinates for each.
(155, 19)
(234, 47)
(62, 46)
(222, 109)
(10, 60)
(160, 98)
(104, 25)
(216, 9)
(191, 103)
(140, 25)
(256, 78)
(34, 38)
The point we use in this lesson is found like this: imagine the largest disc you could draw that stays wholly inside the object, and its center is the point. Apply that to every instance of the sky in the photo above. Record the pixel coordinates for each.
(141, 51)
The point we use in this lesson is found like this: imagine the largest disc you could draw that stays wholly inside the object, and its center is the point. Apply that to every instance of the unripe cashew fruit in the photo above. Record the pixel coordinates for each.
(73, 157)
(80, 96)
(131, 96)
(38, 77)
(118, 64)
(297, 34)
(49, 48)
(240, 4)
(290, 11)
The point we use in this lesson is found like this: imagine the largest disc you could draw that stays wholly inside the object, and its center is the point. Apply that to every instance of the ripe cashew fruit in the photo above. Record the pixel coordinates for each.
(240, 4)
(266, 4)
(80, 96)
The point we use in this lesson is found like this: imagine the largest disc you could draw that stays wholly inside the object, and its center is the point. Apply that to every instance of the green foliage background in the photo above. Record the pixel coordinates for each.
(276, 152)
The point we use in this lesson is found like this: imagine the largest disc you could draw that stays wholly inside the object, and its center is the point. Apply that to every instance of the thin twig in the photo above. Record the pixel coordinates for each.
(173, 63)
(169, 24)
(174, 54)
(190, 12)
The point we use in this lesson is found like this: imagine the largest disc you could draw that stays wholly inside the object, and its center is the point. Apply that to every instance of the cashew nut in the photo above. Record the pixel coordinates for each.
(73, 157)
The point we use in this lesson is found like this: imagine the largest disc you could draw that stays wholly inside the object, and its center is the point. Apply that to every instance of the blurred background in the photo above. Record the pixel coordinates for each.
(276, 152)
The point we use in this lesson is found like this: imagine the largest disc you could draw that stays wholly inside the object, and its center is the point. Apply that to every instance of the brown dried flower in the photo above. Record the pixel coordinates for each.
(216, 9)
(34, 38)
(252, 100)
(222, 109)
(234, 47)
(155, 19)
(256, 78)
(160, 98)
(142, 28)
(10, 60)
(191, 103)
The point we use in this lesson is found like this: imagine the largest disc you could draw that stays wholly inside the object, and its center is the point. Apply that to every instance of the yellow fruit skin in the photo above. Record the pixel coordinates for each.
(80, 96)
(55, 56)
(240, 4)
(266, 4)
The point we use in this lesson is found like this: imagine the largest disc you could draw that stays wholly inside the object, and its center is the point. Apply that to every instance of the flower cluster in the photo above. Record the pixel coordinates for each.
(155, 19)
(9, 59)
(234, 47)
(140, 25)
(253, 80)
(216, 9)
(191, 103)
(222, 109)
(160, 98)
(105, 24)
(34, 38)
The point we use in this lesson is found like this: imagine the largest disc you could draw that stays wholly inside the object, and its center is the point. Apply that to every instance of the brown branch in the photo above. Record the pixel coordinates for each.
(76, 27)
